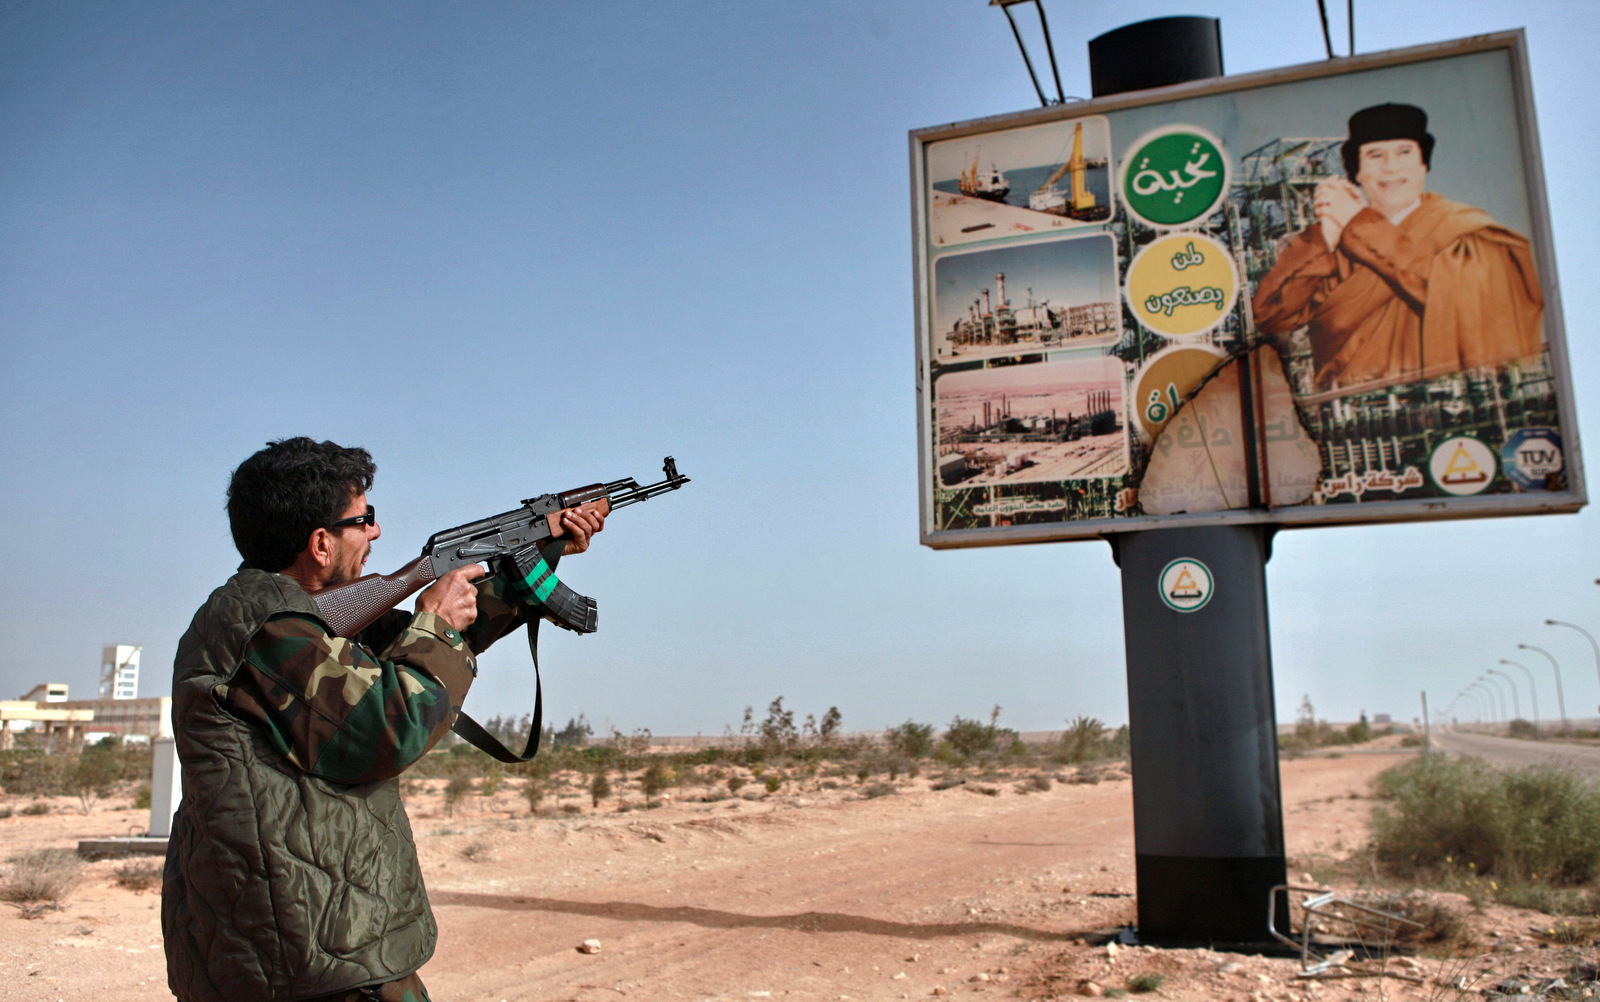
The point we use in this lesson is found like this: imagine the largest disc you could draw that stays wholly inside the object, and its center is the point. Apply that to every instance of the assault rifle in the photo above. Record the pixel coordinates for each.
(517, 543)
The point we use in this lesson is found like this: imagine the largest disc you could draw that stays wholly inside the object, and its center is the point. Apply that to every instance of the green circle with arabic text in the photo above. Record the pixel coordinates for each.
(1175, 175)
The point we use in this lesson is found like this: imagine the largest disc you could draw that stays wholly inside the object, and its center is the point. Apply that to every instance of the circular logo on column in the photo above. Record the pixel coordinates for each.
(1174, 175)
(1462, 466)
(1186, 585)
(1184, 283)
(1531, 456)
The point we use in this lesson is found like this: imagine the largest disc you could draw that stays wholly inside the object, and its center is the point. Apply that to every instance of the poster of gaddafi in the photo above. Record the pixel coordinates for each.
(1322, 294)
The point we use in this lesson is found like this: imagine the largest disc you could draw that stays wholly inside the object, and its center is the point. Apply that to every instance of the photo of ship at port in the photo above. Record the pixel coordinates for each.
(1026, 297)
(1053, 176)
(1044, 422)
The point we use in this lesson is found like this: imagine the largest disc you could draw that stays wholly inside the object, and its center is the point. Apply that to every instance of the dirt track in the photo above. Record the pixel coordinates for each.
(820, 895)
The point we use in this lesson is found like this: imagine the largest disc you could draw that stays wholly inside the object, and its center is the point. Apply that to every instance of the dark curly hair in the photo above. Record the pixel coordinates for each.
(283, 493)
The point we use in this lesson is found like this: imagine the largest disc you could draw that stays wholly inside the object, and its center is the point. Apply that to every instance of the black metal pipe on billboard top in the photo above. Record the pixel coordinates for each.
(1207, 806)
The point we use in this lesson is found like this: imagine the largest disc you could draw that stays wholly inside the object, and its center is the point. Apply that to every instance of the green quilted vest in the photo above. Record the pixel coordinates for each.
(278, 885)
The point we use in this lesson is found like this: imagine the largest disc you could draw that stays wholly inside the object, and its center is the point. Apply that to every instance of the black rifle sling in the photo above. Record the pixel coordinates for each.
(472, 731)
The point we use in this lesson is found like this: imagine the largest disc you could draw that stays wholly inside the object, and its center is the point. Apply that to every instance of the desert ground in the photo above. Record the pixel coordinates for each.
(995, 888)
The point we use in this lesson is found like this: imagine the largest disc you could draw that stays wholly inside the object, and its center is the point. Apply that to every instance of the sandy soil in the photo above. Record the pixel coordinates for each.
(994, 888)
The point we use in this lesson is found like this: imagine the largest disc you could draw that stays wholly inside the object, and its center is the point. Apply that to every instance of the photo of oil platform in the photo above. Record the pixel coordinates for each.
(990, 324)
(1047, 442)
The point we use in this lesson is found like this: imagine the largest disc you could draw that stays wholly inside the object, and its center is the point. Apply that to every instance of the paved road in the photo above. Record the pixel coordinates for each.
(1506, 751)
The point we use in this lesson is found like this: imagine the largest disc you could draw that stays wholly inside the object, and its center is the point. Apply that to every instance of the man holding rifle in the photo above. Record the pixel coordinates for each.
(291, 871)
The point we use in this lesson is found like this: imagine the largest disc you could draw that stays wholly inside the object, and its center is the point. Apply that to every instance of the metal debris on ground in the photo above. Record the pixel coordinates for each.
(1323, 912)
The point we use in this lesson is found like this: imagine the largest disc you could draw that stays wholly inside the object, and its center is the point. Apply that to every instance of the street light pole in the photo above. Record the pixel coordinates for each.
(1516, 705)
(1533, 693)
(1493, 685)
(1485, 708)
(1561, 698)
(1484, 691)
(1586, 633)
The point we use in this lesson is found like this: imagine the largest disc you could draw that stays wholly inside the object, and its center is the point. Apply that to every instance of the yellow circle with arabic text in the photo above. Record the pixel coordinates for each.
(1183, 283)
(1167, 380)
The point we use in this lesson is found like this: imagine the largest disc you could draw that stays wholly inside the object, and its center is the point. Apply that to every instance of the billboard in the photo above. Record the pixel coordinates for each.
(1317, 295)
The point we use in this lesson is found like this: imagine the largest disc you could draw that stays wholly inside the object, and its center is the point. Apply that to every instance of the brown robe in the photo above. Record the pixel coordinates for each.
(1448, 289)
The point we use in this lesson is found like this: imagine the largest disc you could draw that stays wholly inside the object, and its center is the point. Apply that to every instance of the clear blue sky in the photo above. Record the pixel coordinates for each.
(514, 248)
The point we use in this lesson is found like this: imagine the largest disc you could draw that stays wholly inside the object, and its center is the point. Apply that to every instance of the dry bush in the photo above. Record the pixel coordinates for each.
(41, 875)
(1442, 817)
(454, 791)
(1443, 931)
(139, 875)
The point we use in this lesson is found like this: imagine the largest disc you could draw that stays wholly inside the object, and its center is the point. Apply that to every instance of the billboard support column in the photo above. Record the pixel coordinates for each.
(1207, 809)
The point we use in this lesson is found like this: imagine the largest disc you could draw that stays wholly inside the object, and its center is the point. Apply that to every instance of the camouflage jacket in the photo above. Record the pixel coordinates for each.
(282, 884)
(364, 709)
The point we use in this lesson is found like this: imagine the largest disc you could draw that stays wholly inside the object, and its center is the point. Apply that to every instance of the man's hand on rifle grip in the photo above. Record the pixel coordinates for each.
(454, 598)
(581, 523)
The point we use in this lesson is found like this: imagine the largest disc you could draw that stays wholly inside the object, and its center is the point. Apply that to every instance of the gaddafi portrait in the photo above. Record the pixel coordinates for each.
(1395, 283)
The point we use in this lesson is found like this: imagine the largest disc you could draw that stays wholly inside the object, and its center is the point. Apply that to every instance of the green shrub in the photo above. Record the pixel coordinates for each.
(655, 779)
(93, 775)
(599, 788)
(1141, 983)
(1522, 729)
(910, 739)
(492, 782)
(458, 787)
(1360, 731)
(29, 772)
(772, 782)
(734, 782)
(141, 797)
(1539, 824)
(37, 808)
(1081, 742)
(533, 792)
(968, 737)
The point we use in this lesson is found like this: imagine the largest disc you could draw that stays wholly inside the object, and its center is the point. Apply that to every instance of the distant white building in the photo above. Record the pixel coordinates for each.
(119, 672)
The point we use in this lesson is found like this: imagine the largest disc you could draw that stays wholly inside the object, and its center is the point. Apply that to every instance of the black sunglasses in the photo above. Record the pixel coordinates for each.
(370, 518)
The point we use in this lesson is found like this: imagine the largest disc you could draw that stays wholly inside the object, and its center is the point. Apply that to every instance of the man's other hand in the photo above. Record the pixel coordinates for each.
(454, 598)
(581, 523)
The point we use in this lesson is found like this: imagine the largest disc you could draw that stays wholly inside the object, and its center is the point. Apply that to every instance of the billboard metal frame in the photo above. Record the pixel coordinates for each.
(1513, 43)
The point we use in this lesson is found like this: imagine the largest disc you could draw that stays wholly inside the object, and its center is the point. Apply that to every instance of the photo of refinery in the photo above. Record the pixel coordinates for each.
(1054, 176)
(1042, 422)
(1028, 297)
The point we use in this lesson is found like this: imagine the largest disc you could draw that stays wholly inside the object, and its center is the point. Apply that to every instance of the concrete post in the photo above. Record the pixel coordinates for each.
(166, 786)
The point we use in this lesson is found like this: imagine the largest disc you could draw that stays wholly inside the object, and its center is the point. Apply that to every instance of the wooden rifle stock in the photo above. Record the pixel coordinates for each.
(353, 606)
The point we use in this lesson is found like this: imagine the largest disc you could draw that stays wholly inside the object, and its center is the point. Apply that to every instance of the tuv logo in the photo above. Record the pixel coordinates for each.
(1533, 460)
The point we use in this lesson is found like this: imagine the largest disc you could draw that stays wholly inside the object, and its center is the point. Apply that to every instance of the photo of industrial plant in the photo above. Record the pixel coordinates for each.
(1042, 422)
(1055, 176)
(1028, 297)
